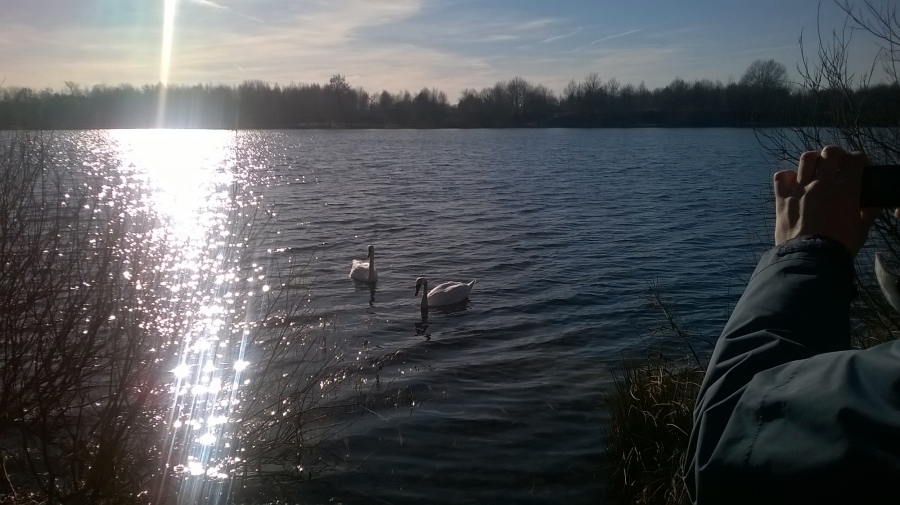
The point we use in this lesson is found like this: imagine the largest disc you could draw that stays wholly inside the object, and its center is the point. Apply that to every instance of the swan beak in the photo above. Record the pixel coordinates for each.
(417, 291)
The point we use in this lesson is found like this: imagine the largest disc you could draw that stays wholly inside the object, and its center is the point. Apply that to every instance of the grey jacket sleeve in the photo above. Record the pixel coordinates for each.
(787, 413)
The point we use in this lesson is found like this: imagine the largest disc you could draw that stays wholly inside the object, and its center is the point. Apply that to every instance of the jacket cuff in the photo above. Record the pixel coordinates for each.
(814, 243)
(830, 250)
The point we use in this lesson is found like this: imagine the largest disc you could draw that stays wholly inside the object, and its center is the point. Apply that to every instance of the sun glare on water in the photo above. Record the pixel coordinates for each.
(190, 180)
(188, 170)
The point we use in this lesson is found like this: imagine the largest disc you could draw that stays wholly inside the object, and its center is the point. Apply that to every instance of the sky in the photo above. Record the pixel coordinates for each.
(399, 45)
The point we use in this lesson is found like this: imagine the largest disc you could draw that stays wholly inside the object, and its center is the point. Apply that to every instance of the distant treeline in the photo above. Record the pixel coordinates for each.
(763, 96)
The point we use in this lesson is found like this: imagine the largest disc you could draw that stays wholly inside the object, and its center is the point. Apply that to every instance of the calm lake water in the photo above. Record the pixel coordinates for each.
(563, 230)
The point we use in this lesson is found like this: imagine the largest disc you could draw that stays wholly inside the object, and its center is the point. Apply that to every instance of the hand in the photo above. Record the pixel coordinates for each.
(822, 198)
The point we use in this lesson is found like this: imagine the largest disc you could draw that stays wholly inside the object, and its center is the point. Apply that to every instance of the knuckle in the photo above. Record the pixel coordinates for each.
(829, 151)
(809, 156)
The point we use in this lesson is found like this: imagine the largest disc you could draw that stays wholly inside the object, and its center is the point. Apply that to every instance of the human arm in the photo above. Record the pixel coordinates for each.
(786, 413)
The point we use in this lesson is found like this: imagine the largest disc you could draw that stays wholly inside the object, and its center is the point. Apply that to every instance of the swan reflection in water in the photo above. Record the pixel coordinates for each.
(371, 288)
(422, 326)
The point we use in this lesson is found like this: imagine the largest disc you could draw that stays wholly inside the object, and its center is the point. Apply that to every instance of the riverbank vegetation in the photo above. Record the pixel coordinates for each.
(134, 370)
(762, 96)
(651, 410)
(652, 403)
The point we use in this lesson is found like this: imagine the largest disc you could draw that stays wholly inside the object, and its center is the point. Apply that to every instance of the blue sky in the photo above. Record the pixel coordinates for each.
(406, 44)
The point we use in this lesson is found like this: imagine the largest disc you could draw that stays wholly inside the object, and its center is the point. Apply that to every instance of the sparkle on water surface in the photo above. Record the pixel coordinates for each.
(531, 217)
(188, 177)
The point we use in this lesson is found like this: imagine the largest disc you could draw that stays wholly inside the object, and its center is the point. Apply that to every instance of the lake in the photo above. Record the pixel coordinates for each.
(564, 231)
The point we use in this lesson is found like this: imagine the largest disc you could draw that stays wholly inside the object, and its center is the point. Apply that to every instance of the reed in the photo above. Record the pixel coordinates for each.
(650, 411)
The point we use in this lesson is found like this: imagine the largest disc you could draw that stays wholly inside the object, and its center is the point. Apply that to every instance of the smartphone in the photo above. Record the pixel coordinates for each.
(880, 186)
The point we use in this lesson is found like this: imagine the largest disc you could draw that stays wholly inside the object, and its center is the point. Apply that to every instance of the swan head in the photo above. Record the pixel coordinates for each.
(371, 251)
(420, 283)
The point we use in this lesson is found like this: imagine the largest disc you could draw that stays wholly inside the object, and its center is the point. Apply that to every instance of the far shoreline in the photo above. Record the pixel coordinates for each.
(345, 127)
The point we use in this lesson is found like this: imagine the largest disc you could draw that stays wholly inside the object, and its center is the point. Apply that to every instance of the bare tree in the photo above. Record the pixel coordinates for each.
(341, 95)
(591, 89)
(765, 74)
(571, 94)
(74, 87)
(612, 87)
(517, 88)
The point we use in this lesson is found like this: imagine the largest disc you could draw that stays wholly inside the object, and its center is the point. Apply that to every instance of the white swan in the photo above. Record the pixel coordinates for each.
(447, 293)
(888, 281)
(364, 271)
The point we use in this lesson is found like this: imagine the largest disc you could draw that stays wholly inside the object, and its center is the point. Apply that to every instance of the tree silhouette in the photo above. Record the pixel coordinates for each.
(517, 89)
(761, 98)
(766, 75)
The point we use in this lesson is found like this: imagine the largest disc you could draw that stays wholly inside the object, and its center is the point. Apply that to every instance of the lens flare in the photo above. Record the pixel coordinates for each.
(165, 59)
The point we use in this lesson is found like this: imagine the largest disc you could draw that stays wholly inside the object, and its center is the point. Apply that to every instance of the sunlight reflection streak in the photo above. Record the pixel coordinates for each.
(165, 59)
(188, 175)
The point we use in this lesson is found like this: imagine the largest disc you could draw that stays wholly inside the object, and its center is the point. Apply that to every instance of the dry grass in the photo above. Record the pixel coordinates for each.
(647, 435)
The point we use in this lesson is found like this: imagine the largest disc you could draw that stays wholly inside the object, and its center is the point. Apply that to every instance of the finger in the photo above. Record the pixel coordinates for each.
(854, 163)
(831, 162)
(806, 168)
(785, 183)
(897, 213)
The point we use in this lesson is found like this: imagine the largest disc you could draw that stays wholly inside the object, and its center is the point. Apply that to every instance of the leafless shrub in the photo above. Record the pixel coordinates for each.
(860, 113)
(80, 398)
(96, 311)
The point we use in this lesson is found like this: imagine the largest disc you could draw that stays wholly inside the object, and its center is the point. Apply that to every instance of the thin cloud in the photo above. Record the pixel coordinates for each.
(470, 29)
(538, 23)
(682, 32)
(559, 37)
(210, 3)
(501, 38)
(617, 35)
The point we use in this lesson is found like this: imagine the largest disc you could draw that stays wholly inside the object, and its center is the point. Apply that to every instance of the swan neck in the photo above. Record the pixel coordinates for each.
(425, 296)
(371, 267)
